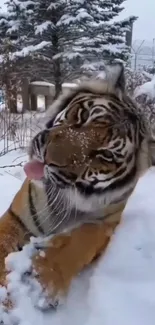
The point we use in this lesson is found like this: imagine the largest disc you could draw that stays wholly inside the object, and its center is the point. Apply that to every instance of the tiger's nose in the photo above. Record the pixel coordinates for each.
(66, 147)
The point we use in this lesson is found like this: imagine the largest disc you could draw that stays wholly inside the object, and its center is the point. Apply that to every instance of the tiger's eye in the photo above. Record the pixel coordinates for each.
(108, 154)
(84, 115)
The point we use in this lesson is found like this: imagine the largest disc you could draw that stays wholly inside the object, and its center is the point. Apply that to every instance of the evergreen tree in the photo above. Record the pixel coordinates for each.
(105, 38)
(17, 34)
(50, 32)
(7, 66)
(67, 34)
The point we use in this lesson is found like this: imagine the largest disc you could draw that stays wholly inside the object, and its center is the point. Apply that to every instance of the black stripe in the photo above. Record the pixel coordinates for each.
(73, 95)
(87, 190)
(33, 210)
(16, 216)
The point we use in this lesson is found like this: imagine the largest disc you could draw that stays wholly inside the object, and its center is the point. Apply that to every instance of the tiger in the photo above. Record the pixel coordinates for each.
(93, 149)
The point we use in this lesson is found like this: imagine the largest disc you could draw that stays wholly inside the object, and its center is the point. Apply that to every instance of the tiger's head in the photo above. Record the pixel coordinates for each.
(93, 147)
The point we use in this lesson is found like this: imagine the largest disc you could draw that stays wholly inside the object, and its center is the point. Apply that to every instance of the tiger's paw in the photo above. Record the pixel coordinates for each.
(40, 291)
(43, 282)
(6, 318)
(48, 280)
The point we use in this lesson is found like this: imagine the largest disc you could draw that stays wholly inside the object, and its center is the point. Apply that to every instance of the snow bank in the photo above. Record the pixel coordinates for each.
(11, 175)
(69, 85)
(119, 291)
(124, 282)
(148, 88)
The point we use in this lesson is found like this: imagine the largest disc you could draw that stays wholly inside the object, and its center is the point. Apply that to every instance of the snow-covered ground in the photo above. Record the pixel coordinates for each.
(11, 176)
(120, 290)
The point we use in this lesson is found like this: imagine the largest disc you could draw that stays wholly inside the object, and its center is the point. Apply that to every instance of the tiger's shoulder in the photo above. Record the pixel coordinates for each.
(21, 216)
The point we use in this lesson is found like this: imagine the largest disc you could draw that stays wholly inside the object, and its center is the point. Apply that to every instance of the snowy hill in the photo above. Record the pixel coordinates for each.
(120, 290)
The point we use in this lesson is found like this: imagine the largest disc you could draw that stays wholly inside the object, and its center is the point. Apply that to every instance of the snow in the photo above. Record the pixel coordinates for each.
(67, 19)
(24, 4)
(14, 26)
(11, 178)
(29, 49)
(119, 290)
(69, 85)
(42, 83)
(148, 88)
(42, 27)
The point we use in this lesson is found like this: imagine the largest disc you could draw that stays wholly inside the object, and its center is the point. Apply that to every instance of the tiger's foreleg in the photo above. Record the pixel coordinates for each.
(12, 237)
(67, 255)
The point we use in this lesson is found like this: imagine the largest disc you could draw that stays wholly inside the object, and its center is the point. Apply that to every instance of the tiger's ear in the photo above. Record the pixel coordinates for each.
(115, 75)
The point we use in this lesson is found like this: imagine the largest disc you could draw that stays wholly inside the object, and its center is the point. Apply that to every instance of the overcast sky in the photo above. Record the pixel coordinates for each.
(144, 28)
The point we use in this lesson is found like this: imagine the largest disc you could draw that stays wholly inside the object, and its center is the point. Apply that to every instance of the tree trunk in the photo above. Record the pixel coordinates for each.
(57, 78)
(56, 65)
(25, 95)
(11, 97)
(58, 89)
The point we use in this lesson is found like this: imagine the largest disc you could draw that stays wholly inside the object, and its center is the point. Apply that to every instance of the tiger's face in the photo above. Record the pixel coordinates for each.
(91, 144)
